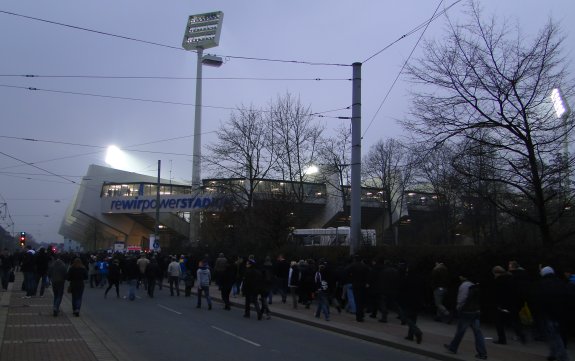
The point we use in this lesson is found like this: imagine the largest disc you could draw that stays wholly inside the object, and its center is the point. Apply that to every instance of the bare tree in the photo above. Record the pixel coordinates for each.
(389, 165)
(244, 151)
(436, 175)
(483, 75)
(334, 155)
(297, 138)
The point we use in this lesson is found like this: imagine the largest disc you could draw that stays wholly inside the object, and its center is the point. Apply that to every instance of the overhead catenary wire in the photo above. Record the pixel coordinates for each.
(166, 77)
(401, 70)
(425, 24)
(142, 99)
(168, 46)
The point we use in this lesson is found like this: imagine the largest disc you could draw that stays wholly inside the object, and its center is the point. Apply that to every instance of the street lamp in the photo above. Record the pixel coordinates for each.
(202, 32)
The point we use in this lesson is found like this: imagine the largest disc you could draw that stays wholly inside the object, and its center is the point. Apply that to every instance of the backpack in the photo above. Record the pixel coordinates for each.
(473, 301)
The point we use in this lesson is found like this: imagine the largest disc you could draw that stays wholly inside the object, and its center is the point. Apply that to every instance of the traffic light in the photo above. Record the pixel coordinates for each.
(22, 239)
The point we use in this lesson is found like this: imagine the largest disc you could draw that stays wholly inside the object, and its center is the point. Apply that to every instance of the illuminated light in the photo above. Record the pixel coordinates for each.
(312, 169)
(410, 194)
(115, 158)
(559, 104)
(203, 31)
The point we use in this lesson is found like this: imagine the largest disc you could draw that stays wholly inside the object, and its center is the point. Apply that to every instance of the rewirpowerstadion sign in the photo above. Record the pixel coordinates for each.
(167, 204)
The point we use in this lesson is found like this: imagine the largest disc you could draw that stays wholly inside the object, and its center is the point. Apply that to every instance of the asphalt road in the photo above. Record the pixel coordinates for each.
(172, 328)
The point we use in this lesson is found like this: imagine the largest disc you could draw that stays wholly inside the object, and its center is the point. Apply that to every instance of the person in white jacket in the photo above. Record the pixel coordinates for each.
(174, 274)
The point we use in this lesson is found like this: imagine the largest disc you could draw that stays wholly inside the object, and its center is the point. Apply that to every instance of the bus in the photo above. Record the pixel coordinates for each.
(339, 236)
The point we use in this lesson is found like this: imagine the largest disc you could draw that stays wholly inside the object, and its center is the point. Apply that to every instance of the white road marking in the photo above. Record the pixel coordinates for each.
(169, 309)
(236, 336)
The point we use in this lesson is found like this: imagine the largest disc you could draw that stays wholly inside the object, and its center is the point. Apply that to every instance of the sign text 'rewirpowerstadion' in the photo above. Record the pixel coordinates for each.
(172, 204)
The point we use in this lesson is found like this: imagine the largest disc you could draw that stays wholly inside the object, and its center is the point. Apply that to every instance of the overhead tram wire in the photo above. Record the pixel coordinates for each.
(425, 24)
(401, 70)
(167, 77)
(123, 98)
(170, 46)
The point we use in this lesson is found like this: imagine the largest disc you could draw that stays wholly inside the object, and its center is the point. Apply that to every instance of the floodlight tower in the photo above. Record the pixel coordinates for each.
(202, 32)
(563, 112)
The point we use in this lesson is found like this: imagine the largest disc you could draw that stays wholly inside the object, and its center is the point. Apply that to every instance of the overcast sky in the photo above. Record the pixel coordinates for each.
(82, 103)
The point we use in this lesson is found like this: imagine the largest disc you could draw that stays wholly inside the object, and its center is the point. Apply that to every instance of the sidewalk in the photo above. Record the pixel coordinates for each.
(29, 332)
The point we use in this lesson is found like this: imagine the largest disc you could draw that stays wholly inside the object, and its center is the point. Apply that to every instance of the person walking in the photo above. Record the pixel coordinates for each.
(227, 281)
(439, 285)
(58, 272)
(551, 304)
(358, 273)
(468, 307)
(77, 274)
(322, 292)
(293, 282)
(251, 286)
(151, 273)
(114, 276)
(42, 263)
(411, 302)
(143, 263)
(507, 305)
(174, 274)
(204, 277)
(6, 267)
(132, 274)
(28, 267)
(219, 268)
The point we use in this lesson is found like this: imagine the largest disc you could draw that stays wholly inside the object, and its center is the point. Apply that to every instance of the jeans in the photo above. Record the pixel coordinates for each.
(174, 282)
(322, 304)
(132, 283)
(556, 345)
(30, 283)
(438, 297)
(77, 293)
(469, 319)
(43, 282)
(350, 306)
(252, 298)
(58, 290)
(206, 291)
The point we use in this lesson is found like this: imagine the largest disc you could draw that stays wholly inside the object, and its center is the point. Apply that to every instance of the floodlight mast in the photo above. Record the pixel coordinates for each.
(202, 32)
(563, 111)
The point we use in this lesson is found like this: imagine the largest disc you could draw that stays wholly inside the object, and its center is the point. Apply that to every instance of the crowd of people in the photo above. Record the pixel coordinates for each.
(376, 288)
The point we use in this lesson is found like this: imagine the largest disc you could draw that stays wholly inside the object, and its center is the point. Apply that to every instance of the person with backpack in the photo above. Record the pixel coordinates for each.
(468, 307)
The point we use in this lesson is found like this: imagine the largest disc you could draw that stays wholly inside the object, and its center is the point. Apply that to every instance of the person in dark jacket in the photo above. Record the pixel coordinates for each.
(6, 267)
(42, 262)
(358, 272)
(410, 299)
(550, 303)
(132, 273)
(58, 272)
(227, 280)
(77, 274)
(152, 273)
(28, 267)
(507, 305)
(114, 276)
(440, 286)
(251, 286)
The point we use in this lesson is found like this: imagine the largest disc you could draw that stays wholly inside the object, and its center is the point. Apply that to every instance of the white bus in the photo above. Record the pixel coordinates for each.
(339, 236)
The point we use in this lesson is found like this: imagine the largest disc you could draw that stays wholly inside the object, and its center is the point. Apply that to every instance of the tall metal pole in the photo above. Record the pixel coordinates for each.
(356, 160)
(197, 152)
(157, 227)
